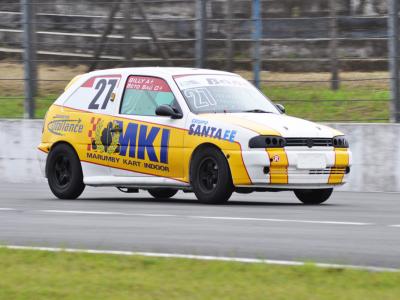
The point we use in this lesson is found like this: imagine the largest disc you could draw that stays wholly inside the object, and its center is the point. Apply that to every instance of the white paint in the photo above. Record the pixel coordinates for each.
(283, 220)
(84, 212)
(113, 213)
(141, 181)
(206, 217)
(203, 257)
(81, 212)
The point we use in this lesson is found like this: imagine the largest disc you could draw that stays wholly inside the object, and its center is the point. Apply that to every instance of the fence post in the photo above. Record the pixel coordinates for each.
(200, 47)
(161, 49)
(29, 57)
(393, 43)
(103, 39)
(127, 12)
(333, 45)
(257, 34)
(229, 34)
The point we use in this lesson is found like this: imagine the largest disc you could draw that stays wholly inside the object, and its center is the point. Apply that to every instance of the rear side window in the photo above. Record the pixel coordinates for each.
(143, 94)
(95, 94)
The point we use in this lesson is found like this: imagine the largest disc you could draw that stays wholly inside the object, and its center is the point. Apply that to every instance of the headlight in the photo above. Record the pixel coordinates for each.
(340, 142)
(267, 141)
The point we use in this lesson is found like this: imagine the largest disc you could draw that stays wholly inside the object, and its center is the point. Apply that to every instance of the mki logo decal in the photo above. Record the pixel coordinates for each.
(135, 141)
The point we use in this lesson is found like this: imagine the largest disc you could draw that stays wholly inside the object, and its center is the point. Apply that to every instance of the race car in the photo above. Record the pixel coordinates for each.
(197, 130)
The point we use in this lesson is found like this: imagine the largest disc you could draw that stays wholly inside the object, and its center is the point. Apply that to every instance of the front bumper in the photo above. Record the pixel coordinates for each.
(298, 167)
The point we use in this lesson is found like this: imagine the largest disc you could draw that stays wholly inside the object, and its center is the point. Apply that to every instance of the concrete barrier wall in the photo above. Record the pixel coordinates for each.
(375, 147)
(376, 156)
(18, 150)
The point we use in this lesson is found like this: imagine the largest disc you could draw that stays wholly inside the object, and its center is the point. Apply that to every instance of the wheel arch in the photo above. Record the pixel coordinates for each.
(199, 148)
(56, 144)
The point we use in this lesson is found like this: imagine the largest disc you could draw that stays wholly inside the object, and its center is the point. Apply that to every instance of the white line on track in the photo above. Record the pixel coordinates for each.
(203, 257)
(84, 212)
(111, 213)
(282, 220)
(206, 217)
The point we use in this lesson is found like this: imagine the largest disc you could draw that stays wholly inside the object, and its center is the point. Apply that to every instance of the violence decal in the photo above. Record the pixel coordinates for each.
(62, 124)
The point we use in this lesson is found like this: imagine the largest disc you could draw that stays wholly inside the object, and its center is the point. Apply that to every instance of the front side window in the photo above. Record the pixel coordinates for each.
(143, 94)
(222, 93)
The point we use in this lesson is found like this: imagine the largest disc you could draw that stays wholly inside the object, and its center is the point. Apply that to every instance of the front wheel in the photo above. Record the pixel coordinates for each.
(210, 176)
(64, 172)
(313, 197)
(162, 193)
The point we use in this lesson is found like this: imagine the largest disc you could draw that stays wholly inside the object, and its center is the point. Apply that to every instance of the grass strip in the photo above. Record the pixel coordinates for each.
(28, 274)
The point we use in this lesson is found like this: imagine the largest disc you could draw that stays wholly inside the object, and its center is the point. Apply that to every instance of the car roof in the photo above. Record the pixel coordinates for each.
(166, 71)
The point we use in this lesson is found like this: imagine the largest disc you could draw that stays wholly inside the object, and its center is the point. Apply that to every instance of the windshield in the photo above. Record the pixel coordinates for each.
(222, 93)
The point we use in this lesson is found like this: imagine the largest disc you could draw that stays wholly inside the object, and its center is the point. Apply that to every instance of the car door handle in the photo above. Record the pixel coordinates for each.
(116, 129)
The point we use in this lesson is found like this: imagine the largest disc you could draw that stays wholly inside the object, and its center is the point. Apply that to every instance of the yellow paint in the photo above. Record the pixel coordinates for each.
(279, 165)
(341, 161)
(180, 146)
(231, 150)
(278, 170)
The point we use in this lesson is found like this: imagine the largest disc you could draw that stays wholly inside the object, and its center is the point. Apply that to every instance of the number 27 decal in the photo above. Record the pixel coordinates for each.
(101, 87)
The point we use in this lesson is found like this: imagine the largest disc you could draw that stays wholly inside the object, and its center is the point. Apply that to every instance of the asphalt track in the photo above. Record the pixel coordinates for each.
(351, 228)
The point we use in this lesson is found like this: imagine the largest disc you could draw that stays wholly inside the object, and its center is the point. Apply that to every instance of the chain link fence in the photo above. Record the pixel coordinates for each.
(324, 60)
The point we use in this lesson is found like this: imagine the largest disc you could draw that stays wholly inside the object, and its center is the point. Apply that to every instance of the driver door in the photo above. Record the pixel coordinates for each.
(149, 144)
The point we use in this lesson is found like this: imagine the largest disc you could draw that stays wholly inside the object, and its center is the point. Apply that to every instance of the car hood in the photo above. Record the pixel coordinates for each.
(274, 124)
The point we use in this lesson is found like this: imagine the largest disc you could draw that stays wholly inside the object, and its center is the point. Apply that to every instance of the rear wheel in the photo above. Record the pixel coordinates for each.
(210, 176)
(64, 172)
(162, 193)
(313, 197)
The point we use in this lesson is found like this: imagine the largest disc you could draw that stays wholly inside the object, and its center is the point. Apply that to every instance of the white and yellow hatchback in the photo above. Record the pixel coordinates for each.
(196, 130)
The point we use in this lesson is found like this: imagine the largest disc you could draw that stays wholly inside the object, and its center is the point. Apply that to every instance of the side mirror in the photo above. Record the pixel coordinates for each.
(280, 107)
(167, 111)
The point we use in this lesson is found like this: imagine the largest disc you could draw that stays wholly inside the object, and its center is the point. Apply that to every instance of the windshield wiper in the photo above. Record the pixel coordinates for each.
(258, 111)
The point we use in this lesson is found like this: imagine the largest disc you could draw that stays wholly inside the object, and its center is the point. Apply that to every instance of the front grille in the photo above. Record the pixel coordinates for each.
(309, 142)
(328, 171)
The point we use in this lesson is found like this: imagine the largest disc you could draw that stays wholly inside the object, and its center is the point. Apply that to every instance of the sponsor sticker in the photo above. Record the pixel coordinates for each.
(199, 128)
(275, 158)
(133, 145)
(147, 83)
(62, 124)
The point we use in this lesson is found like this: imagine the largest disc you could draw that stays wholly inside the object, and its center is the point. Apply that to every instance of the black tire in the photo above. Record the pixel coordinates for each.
(162, 193)
(313, 197)
(64, 172)
(210, 176)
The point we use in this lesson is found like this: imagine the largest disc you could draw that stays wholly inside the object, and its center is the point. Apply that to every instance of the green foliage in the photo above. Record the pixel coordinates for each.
(26, 274)
(312, 103)
(13, 107)
(323, 104)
